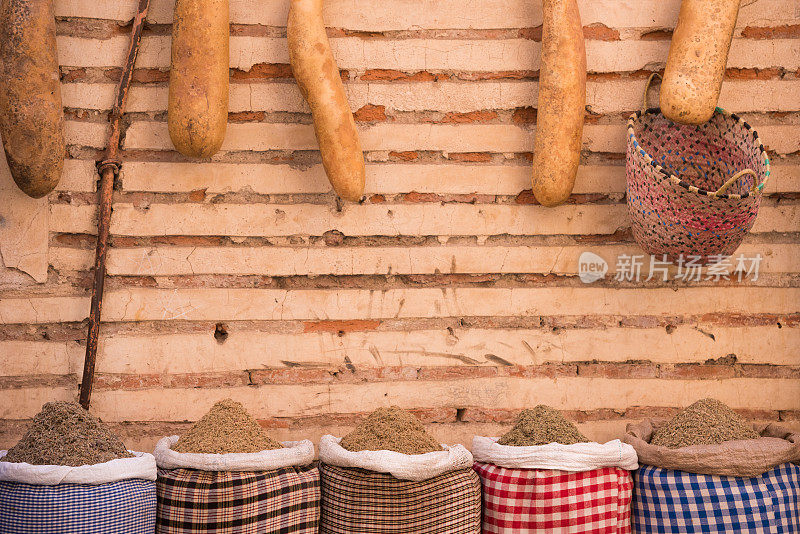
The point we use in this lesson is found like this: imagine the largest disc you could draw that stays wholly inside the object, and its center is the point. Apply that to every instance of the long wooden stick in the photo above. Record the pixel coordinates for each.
(108, 168)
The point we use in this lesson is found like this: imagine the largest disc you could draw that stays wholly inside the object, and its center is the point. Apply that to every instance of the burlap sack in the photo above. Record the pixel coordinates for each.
(744, 458)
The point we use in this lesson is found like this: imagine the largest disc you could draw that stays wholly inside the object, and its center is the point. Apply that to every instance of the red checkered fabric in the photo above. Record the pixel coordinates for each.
(539, 500)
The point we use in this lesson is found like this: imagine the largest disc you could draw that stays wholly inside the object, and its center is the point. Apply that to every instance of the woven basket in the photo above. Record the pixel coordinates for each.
(693, 190)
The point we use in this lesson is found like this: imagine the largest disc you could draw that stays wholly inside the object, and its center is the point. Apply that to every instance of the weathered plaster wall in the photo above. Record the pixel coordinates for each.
(448, 290)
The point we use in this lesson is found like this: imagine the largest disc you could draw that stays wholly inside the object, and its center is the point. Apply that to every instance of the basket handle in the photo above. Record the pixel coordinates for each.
(732, 180)
(647, 88)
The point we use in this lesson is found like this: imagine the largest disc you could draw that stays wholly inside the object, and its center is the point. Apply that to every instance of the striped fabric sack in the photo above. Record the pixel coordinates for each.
(125, 506)
(357, 500)
(544, 500)
(285, 500)
(668, 501)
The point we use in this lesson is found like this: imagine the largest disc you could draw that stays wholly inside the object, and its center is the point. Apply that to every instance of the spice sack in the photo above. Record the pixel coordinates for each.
(544, 476)
(70, 474)
(204, 486)
(707, 470)
(390, 476)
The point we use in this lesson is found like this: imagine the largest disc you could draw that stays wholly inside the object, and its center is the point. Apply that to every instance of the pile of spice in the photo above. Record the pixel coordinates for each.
(390, 429)
(706, 422)
(63, 433)
(226, 428)
(540, 426)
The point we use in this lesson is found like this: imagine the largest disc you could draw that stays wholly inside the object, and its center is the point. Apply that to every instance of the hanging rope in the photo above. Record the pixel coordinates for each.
(108, 168)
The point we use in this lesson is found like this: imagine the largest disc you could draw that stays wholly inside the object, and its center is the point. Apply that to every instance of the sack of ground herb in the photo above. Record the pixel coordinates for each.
(69, 474)
(731, 475)
(227, 475)
(389, 476)
(544, 475)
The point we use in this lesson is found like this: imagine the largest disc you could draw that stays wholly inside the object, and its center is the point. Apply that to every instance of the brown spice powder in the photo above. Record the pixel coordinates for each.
(226, 428)
(390, 429)
(706, 422)
(63, 433)
(540, 426)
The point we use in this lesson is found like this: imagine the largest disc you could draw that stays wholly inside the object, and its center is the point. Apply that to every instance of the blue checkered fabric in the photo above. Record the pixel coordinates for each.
(667, 501)
(124, 507)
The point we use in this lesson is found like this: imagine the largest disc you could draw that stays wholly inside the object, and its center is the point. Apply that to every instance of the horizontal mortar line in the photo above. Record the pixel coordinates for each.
(643, 370)
(106, 29)
(60, 332)
(411, 282)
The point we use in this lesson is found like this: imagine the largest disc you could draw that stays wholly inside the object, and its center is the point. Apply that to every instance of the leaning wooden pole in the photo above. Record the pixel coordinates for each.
(108, 168)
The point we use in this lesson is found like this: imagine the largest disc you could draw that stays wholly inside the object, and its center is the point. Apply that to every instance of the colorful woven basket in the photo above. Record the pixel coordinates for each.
(693, 190)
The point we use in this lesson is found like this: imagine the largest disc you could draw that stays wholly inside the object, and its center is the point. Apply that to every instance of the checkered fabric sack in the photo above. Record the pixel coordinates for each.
(356, 500)
(544, 500)
(668, 501)
(124, 507)
(285, 500)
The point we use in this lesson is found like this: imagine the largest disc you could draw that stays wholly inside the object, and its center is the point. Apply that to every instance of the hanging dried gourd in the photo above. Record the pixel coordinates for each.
(697, 58)
(315, 70)
(31, 113)
(198, 78)
(562, 102)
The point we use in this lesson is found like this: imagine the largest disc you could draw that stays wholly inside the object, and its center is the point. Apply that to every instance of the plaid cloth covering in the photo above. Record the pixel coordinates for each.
(668, 501)
(124, 507)
(242, 502)
(360, 501)
(544, 500)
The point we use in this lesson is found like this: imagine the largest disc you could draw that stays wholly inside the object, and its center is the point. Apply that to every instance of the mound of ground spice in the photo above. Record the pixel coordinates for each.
(226, 428)
(706, 422)
(390, 429)
(63, 433)
(540, 426)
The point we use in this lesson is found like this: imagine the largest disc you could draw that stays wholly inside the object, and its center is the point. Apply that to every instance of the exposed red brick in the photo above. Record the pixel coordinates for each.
(547, 370)
(341, 32)
(753, 74)
(197, 195)
(534, 34)
(470, 157)
(457, 372)
(33, 381)
(472, 116)
(600, 32)
(605, 76)
(433, 197)
(404, 156)
(333, 238)
(524, 115)
(656, 35)
(263, 70)
(787, 31)
(359, 325)
(377, 199)
(396, 75)
(73, 75)
(500, 75)
(370, 113)
(692, 371)
(769, 371)
(526, 197)
(293, 375)
(139, 75)
(247, 116)
(617, 370)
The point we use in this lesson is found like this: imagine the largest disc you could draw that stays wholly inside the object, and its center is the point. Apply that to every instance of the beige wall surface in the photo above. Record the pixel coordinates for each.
(448, 290)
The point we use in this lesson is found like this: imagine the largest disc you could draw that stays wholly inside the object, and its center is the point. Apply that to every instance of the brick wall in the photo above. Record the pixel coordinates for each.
(448, 290)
